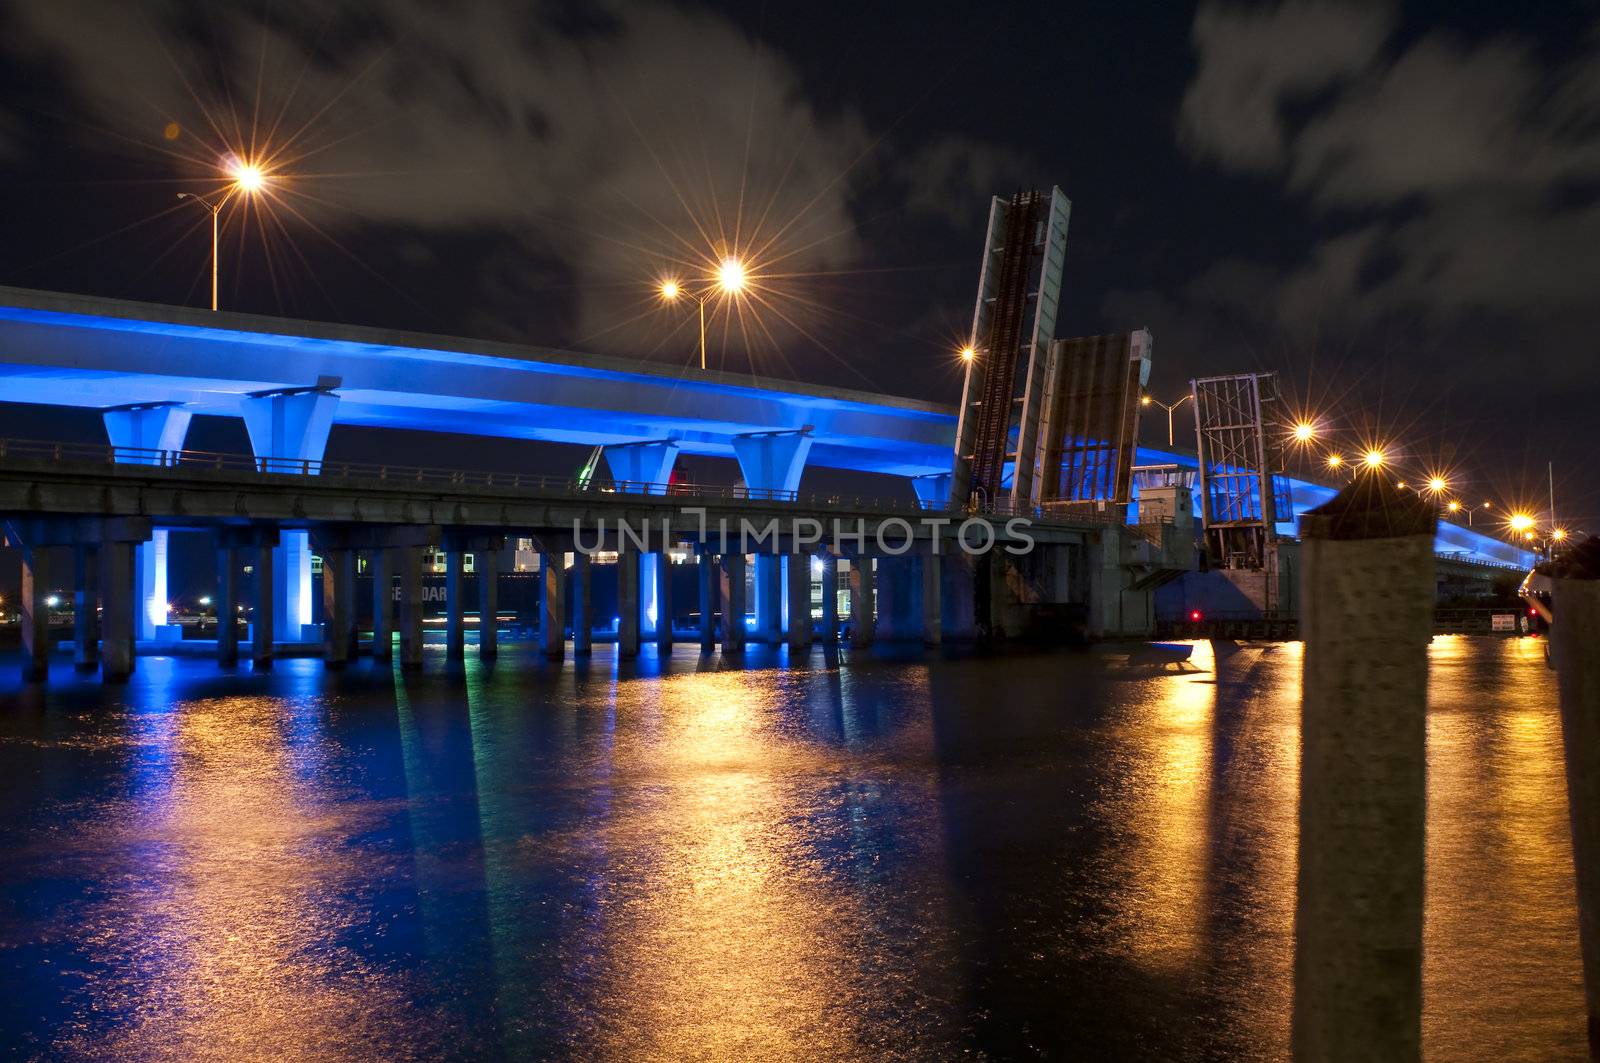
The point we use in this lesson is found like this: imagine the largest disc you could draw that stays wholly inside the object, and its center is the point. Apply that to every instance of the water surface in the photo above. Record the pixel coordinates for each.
(850, 857)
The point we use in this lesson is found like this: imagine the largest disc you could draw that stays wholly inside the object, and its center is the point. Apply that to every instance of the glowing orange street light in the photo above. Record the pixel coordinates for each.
(1373, 459)
(1558, 534)
(1335, 460)
(1305, 432)
(969, 352)
(1437, 484)
(248, 179)
(731, 279)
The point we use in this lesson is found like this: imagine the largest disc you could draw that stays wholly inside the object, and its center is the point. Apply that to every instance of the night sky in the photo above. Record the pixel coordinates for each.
(1394, 206)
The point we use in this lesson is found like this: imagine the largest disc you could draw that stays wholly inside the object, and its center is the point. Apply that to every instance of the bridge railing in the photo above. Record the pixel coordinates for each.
(414, 475)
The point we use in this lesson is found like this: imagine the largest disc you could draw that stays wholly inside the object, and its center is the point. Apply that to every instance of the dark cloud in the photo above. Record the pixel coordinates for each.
(955, 177)
(1255, 61)
(644, 138)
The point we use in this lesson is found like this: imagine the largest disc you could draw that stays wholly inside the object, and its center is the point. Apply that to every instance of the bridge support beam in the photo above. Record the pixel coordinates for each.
(339, 636)
(933, 490)
(769, 599)
(409, 561)
(288, 429)
(455, 605)
(627, 602)
(732, 603)
(552, 604)
(929, 569)
(382, 568)
(35, 616)
(262, 625)
(862, 601)
(705, 578)
(830, 597)
(140, 432)
(487, 559)
(662, 566)
(582, 604)
(226, 602)
(116, 615)
(898, 589)
(958, 604)
(797, 582)
(85, 605)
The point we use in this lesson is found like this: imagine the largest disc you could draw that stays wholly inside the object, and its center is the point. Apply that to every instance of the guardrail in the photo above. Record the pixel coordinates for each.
(103, 454)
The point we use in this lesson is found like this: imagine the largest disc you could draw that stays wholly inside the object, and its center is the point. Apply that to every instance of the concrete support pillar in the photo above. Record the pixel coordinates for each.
(732, 603)
(150, 568)
(582, 604)
(262, 625)
(706, 577)
(642, 467)
(862, 599)
(382, 569)
(226, 601)
(933, 490)
(488, 566)
(552, 605)
(663, 596)
(85, 604)
(1367, 616)
(35, 614)
(958, 596)
(797, 572)
(897, 589)
(409, 561)
(455, 606)
(289, 434)
(1575, 654)
(929, 569)
(116, 614)
(627, 603)
(771, 462)
(144, 434)
(768, 585)
(830, 598)
(338, 606)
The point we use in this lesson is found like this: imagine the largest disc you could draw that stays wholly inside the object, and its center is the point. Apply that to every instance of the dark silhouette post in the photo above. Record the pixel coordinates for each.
(1367, 613)
(1575, 655)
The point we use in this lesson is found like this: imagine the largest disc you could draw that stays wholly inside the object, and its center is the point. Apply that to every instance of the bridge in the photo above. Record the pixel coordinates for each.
(149, 368)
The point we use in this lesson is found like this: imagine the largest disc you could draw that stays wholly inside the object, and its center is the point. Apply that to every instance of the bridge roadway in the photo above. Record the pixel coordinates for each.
(102, 501)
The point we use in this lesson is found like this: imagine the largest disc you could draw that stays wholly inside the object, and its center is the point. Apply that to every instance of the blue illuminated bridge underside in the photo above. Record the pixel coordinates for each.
(69, 350)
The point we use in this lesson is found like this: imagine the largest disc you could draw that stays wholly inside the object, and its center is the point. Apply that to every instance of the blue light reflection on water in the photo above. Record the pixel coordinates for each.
(850, 857)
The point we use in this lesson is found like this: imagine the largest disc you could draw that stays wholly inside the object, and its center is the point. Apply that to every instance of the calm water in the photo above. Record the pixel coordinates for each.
(917, 858)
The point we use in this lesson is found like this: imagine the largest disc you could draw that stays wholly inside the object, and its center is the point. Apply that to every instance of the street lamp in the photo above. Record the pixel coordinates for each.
(248, 179)
(1373, 459)
(969, 352)
(1146, 400)
(731, 279)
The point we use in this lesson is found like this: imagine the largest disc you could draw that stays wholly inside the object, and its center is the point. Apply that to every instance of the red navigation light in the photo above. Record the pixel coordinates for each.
(1194, 615)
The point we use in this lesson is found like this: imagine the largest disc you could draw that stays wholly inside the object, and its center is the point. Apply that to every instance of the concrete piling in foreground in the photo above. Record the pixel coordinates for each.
(1575, 655)
(1367, 608)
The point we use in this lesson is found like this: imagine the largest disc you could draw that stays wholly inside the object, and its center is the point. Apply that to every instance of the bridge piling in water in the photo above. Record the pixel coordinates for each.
(628, 570)
(732, 603)
(85, 603)
(862, 605)
(1368, 604)
(552, 604)
(830, 597)
(410, 621)
(1575, 655)
(797, 581)
(582, 604)
(262, 621)
(705, 576)
(35, 613)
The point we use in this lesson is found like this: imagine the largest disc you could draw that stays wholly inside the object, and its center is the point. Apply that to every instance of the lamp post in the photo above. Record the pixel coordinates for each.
(730, 280)
(248, 180)
(1146, 400)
